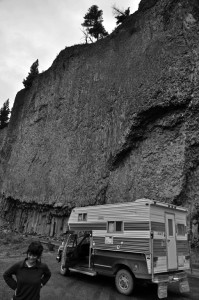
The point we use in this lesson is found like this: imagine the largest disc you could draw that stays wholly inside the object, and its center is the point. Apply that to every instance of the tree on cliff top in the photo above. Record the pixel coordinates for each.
(34, 71)
(93, 24)
(120, 15)
(4, 115)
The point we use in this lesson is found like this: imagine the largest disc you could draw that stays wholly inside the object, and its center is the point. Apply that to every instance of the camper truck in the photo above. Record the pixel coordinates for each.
(141, 240)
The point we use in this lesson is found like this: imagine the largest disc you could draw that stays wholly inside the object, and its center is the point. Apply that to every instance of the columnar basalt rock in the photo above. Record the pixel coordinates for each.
(33, 218)
(112, 121)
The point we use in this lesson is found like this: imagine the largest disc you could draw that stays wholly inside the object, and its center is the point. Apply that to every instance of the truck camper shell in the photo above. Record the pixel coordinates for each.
(147, 238)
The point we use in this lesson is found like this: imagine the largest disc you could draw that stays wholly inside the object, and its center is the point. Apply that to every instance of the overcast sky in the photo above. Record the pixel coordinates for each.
(40, 29)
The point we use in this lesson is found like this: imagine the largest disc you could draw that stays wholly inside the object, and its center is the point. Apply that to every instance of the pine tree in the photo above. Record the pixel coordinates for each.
(121, 15)
(4, 115)
(31, 75)
(93, 24)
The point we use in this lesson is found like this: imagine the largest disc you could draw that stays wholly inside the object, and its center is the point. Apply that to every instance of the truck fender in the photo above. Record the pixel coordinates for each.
(122, 264)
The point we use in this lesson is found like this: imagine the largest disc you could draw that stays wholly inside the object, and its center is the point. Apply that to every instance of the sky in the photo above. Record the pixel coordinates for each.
(40, 29)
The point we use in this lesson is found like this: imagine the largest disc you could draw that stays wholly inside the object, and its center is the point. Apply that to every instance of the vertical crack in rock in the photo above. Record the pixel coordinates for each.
(189, 193)
(101, 196)
(167, 12)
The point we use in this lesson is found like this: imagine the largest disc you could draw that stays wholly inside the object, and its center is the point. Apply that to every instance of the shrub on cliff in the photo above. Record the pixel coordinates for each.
(120, 15)
(4, 115)
(34, 71)
(93, 24)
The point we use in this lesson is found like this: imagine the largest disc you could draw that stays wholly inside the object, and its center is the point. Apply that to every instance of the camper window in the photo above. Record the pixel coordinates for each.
(181, 229)
(115, 226)
(170, 225)
(82, 217)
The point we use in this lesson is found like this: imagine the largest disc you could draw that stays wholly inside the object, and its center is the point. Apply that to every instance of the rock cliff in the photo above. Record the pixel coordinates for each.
(108, 122)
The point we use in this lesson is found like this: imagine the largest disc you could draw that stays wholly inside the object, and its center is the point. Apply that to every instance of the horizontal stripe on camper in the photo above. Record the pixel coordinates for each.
(182, 247)
(113, 212)
(161, 264)
(159, 248)
(123, 244)
(135, 234)
(87, 226)
(130, 226)
(157, 226)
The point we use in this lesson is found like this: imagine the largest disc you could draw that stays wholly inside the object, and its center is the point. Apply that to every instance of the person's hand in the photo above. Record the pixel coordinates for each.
(41, 285)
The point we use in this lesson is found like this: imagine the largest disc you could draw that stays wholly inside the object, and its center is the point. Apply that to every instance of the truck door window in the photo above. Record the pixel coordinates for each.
(72, 242)
(81, 239)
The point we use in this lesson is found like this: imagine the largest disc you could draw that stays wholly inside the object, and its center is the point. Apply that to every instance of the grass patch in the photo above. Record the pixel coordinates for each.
(10, 238)
(12, 243)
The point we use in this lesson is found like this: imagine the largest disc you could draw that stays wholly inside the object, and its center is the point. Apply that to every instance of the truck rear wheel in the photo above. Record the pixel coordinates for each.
(124, 282)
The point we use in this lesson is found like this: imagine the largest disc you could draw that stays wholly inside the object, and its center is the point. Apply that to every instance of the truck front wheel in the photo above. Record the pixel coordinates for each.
(124, 282)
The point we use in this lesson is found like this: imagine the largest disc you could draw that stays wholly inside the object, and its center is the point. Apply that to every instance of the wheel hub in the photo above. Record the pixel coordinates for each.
(124, 282)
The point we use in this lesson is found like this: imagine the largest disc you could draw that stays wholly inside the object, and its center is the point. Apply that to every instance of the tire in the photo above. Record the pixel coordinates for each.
(124, 282)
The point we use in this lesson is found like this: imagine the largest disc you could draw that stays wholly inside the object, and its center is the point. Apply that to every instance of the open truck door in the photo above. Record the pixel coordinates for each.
(76, 253)
(67, 252)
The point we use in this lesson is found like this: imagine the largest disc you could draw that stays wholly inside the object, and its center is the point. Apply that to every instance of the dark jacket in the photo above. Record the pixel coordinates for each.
(28, 280)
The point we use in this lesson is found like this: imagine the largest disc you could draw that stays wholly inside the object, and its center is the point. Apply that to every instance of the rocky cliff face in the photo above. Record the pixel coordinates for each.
(109, 122)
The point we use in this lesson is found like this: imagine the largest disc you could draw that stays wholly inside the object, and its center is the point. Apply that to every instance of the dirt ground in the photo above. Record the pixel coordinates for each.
(74, 287)
(13, 248)
(5, 292)
(78, 287)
